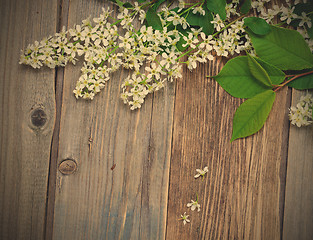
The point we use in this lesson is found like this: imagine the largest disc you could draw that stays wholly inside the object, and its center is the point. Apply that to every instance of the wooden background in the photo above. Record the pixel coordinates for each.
(256, 188)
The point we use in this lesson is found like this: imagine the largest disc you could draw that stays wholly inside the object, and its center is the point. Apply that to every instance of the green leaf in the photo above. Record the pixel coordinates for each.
(258, 71)
(207, 26)
(218, 7)
(141, 1)
(283, 48)
(303, 7)
(194, 19)
(252, 114)
(118, 2)
(276, 75)
(202, 21)
(157, 4)
(181, 42)
(153, 19)
(236, 78)
(257, 25)
(128, 5)
(302, 83)
(245, 8)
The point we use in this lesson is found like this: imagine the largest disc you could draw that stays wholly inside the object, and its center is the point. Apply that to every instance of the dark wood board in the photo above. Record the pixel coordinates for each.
(27, 120)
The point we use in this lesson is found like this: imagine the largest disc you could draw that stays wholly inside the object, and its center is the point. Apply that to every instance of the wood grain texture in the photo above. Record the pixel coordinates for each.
(130, 201)
(24, 146)
(298, 214)
(242, 195)
(135, 169)
(59, 81)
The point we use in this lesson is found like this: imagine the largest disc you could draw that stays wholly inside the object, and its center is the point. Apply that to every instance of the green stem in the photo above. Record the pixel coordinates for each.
(188, 9)
(112, 52)
(280, 24)
(293, 78)
(78, 41)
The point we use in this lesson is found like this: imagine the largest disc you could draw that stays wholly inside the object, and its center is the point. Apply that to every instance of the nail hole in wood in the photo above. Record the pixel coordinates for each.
(68, 166)
(38, 117)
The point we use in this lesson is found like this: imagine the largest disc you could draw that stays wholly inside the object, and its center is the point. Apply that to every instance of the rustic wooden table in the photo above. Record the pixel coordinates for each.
(256, 188)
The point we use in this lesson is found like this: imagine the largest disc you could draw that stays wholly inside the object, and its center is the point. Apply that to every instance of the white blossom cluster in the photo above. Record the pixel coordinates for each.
(286, 13)
(301, 115)
(108, 44)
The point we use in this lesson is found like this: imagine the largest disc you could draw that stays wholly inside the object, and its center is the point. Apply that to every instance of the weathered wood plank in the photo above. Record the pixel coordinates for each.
(242, 195)
(128, 202)
(59, 81)
(298, 214)
(26, 121)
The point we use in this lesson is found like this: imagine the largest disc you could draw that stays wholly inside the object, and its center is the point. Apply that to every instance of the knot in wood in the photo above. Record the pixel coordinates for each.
(38, 117)
(67, 166)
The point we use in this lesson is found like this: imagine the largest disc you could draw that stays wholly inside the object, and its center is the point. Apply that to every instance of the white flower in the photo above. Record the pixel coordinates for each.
(168, 59)
(230, 10)
(142, 16)
(184, 217)
(221, 48)
(190, 41)
(201, 172)
(198, 9)
(124, 12)
(35, 62)
(305, 20)
(204, 56)
(269, 15)
(87, 34)
(174, 72)
(76, 32)
(134, 104)
(35, 47)
(301, 115)
(126, 41)
(157, 86)
(297, 120)
(106, 12)
(184, 23)
(259, 5)
(288, 15)
(154, 71)
(146, 33)
(196, 32)
(176, 19)
(192, 61)
(307, 98)
(101, 21)
(181, 5)
(194, 205)
(136, 7)
(207, 42)
(218, 23)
